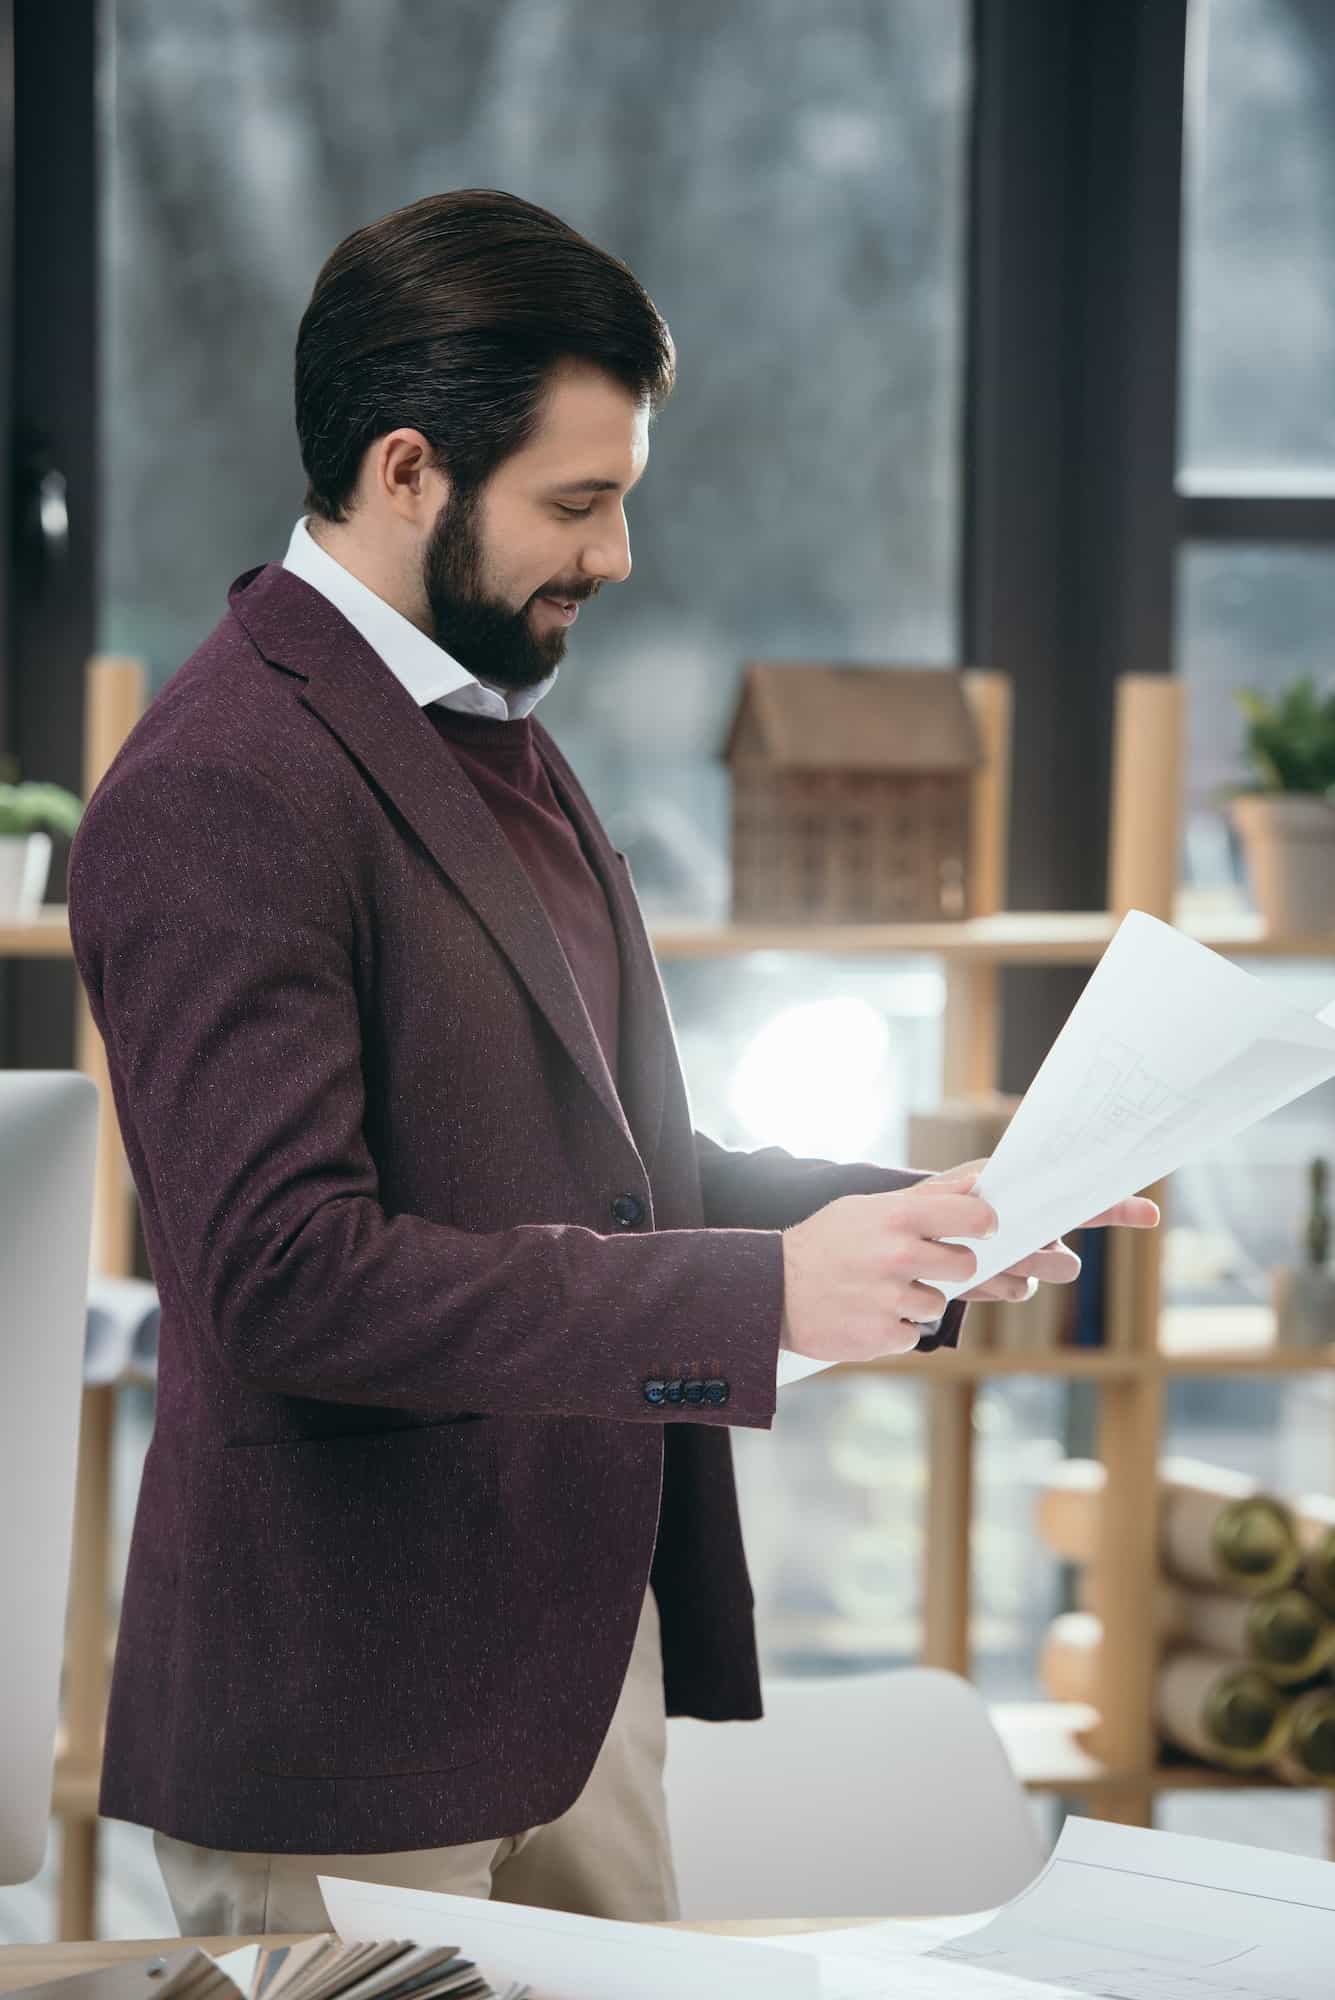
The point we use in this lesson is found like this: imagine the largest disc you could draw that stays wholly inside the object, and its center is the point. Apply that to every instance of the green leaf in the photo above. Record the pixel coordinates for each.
(1290, 738)
(26, 808)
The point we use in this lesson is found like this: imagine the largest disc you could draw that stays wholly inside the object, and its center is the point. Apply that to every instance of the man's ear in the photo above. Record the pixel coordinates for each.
(403, 471)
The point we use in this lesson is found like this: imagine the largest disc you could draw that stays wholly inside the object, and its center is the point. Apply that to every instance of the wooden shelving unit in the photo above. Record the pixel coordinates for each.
(1105, 1755)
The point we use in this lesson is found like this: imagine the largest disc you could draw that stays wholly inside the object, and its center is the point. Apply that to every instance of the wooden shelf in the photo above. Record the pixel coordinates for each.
(1073, 1364)
(44, 936)
(1174, 1777)
(1042, 1740)
(1261, 1361)
(1014, 937)
(1231, 1339)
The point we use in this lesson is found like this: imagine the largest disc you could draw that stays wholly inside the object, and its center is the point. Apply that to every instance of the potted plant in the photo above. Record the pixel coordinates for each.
(1286, 819)
(25, 849)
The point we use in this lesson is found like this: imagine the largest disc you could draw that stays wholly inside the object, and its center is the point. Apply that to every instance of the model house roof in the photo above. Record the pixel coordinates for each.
(816, 716)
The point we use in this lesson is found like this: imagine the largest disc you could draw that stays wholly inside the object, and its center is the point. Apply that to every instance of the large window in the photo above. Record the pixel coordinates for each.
(787, 183)
(1256, 470)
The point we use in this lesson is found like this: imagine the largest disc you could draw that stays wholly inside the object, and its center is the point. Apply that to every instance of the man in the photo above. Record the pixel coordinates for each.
(438, 1518)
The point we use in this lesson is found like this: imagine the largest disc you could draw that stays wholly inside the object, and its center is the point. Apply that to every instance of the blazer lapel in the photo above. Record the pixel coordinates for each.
(351, 689)
(646, 1031)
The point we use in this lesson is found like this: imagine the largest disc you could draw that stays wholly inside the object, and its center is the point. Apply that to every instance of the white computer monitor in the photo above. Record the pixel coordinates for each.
(48, 1145)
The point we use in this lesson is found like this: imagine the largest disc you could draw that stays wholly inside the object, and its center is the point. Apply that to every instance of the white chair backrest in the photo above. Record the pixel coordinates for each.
(877, 1795)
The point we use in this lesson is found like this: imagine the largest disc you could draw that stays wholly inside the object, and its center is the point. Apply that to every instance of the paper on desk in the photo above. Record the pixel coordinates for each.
(867, 1961)
(566, 1957)
(1127, 1913)
(1169, 1048)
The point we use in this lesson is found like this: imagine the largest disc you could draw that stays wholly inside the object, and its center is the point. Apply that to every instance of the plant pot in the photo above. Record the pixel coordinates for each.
(1288, 840)
(25, 863)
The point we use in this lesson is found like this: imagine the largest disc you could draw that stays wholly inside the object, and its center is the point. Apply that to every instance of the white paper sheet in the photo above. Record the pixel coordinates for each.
(571, 1958)
(1127, 1913)
(1169, 1048)
(866, 1961)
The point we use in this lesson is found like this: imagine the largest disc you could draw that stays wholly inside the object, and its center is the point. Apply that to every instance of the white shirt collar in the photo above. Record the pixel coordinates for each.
(425, 669)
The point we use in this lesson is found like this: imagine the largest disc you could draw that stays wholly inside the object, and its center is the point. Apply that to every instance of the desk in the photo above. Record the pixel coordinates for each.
(28, 1964)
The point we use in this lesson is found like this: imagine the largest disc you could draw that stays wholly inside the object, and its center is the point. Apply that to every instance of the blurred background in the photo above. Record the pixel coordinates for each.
(1006, 337)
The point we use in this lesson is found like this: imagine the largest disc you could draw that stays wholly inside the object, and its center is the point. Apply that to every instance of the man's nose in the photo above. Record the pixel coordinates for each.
(609, 557)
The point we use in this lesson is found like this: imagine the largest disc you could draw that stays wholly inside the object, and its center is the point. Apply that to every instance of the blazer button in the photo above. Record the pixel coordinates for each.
(627, 1208)
(694, 1392)
(654, 1391)
(716, 1392)
(675, 1392)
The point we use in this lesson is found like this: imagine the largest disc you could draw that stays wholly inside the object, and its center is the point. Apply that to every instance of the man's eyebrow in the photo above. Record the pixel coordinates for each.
(588, 486)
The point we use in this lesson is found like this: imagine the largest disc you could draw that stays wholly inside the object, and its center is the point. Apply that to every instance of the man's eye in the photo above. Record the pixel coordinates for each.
(579, 511)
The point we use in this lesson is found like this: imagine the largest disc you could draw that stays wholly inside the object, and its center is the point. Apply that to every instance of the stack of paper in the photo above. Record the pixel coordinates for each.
(1169, 1049)
(1118, 1913)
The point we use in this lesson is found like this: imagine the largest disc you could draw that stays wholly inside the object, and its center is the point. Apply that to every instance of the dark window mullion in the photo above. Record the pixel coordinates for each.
(1256, 517)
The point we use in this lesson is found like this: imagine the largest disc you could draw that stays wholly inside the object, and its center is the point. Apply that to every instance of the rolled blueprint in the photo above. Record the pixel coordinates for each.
(1229, 1714)
(1216, 1527)
(1068, 1659)
(1316, 1536)
(1307, 1756)
(1284, 1634)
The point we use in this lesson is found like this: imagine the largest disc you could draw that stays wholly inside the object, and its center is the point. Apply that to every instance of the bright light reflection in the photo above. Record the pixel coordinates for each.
(817, 1079)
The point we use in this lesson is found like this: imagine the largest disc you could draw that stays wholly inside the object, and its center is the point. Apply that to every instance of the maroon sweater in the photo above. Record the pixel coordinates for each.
(503, 762)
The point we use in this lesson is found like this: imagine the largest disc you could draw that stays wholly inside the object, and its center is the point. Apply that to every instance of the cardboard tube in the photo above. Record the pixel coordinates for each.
(1316, 1537)
(1285, 1632)
(1228, 1714)
(1307, 1756)
(1068, 1659)
(1216, 1527)
(1069, 1506)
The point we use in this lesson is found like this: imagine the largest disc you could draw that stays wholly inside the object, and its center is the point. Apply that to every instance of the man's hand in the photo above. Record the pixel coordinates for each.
(1055, 1263)
(858, 1273)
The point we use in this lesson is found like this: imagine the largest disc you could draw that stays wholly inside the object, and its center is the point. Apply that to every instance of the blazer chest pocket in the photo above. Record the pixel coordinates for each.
(365, 1627)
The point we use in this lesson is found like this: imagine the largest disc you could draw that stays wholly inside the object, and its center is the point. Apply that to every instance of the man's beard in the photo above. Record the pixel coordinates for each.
(495, 643)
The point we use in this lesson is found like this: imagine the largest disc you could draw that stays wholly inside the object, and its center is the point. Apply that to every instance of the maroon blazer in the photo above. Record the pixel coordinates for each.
(452, 1333)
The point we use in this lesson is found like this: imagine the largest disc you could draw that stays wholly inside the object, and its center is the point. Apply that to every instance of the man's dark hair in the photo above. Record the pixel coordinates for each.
(449, 317)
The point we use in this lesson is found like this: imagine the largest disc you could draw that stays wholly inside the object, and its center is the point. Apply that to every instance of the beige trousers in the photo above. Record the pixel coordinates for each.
(607, 1856)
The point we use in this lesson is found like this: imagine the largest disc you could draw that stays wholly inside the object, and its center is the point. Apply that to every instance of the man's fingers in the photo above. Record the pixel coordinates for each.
(1053, 1265)
(921, 1305)
(940, 1211)
(1005, 1289)
(1136, 1212)
(963, 1175)
(954, 1262)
